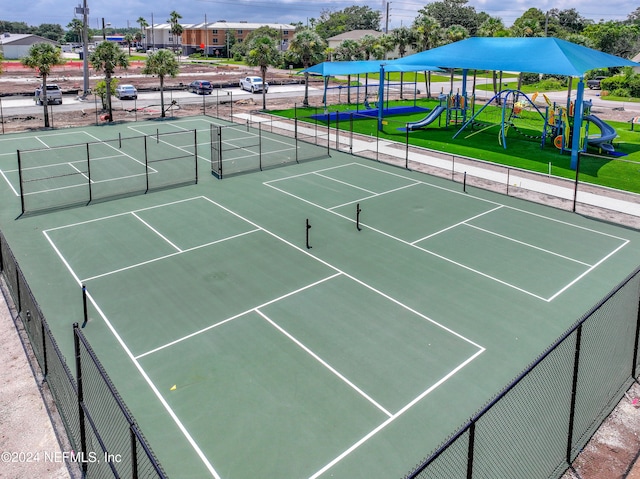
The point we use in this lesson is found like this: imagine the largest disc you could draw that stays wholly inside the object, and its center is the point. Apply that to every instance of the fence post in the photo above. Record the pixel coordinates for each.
(259, 144)
(89, 174)
(470, 451)
(134, 453)
(195, 151)
(351, 133)
(81, 418)
(634, 367)
(146, 163)
(406, 147)
(574, 385)
(43, 331)
(20, 181)
(575, 188)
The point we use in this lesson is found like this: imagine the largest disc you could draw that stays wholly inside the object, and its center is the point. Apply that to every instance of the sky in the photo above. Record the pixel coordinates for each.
(123, 13)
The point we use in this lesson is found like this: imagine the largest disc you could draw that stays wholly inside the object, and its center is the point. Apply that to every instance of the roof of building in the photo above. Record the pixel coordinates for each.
(355, 35)
(223, 26)
(23, 39)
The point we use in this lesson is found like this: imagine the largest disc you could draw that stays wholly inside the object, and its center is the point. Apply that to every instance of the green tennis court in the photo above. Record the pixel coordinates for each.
(333, 318)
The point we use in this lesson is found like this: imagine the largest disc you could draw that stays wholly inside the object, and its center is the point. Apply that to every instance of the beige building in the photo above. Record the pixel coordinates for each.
(211, 36)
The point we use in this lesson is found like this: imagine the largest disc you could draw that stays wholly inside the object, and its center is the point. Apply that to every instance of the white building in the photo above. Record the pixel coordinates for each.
(16, 45)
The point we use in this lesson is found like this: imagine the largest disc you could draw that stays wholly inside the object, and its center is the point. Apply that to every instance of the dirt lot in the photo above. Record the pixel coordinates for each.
(26, 417)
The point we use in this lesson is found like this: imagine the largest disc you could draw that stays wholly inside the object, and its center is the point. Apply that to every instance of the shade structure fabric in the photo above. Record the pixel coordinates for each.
(534, 55)
(363, 66)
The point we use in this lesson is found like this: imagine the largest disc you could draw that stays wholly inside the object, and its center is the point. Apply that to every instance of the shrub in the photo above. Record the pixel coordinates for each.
(634, 85)
(551, 84)
(613, 83)
(620, 92)
(530, 78)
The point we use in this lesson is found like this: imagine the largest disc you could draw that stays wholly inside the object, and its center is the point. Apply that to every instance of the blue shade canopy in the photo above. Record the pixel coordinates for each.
(363, 66)
(533, 55)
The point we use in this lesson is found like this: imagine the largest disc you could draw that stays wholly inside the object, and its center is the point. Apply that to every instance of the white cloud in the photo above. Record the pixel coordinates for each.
(121, 13)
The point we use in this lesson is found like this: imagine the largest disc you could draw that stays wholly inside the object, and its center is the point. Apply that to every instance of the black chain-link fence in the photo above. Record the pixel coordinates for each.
(70, 175)
(104, 437)
(539, 423)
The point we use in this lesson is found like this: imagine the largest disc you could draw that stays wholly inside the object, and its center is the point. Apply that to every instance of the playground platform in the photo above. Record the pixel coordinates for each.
(371, 112)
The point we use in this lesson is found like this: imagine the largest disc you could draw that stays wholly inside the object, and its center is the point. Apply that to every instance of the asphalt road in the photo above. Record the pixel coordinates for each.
(21, 105)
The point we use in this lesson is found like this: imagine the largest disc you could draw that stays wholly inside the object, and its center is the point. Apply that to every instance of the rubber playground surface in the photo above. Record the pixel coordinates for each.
(333, 318)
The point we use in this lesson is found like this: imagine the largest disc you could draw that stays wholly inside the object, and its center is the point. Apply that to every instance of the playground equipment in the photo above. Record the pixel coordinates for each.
(607, 133)
(455, 106)
(562, 121)
(517, 112)
(430, 118)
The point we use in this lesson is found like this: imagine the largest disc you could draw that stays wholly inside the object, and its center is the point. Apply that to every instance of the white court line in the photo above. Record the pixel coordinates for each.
(120, 152)
(236, 316)
(345, 183)
(180, 148)
(338, 272)
(38, 138)
(544, 250)
(589, 270)
(324, 363)
(160, 258)
(498, 206)
(156, 392)
(142, 372)
(15, 192)
(73, 167)
(353, 278)
(408, 406)
(70, 225)
(156, 232)
(455, 225)
(416, 246)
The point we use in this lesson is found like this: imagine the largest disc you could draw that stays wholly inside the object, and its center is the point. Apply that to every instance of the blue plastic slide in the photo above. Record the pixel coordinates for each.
(607, 133)
(430, 118)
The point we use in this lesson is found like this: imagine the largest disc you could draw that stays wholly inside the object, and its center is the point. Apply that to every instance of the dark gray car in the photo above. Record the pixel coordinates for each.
(201, 87)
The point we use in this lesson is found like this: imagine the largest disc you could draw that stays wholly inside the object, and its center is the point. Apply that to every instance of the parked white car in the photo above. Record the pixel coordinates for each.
(54, 94)
(253, 84)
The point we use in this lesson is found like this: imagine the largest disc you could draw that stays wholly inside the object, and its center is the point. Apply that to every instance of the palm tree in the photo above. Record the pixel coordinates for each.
(128, 38)
(262, 53)
(143, 25)
(348, 50)
(428, 34)
(107, 57)
(402, 38)
(491, 27)
(175, 27)
(76, 27)
(309, 47)
(161, 63)
(42, 57)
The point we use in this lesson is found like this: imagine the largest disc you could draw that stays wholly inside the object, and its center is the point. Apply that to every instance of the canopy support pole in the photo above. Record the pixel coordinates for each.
(577, 123)
(380, 97)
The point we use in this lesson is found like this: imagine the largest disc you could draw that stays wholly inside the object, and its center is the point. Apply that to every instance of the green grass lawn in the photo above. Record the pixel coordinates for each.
(522, 152)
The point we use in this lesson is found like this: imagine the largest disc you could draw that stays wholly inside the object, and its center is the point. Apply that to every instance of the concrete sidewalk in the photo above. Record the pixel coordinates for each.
(564, 189)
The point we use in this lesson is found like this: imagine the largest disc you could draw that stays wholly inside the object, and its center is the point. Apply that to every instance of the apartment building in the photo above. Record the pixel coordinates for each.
(211, 36)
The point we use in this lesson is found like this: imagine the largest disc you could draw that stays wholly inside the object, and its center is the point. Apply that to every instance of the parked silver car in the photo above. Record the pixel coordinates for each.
(253, 84)
(126, 91)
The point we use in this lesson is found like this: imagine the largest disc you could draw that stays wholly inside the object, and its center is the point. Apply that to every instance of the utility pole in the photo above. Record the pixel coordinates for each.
(386, 26)
(85, 51)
